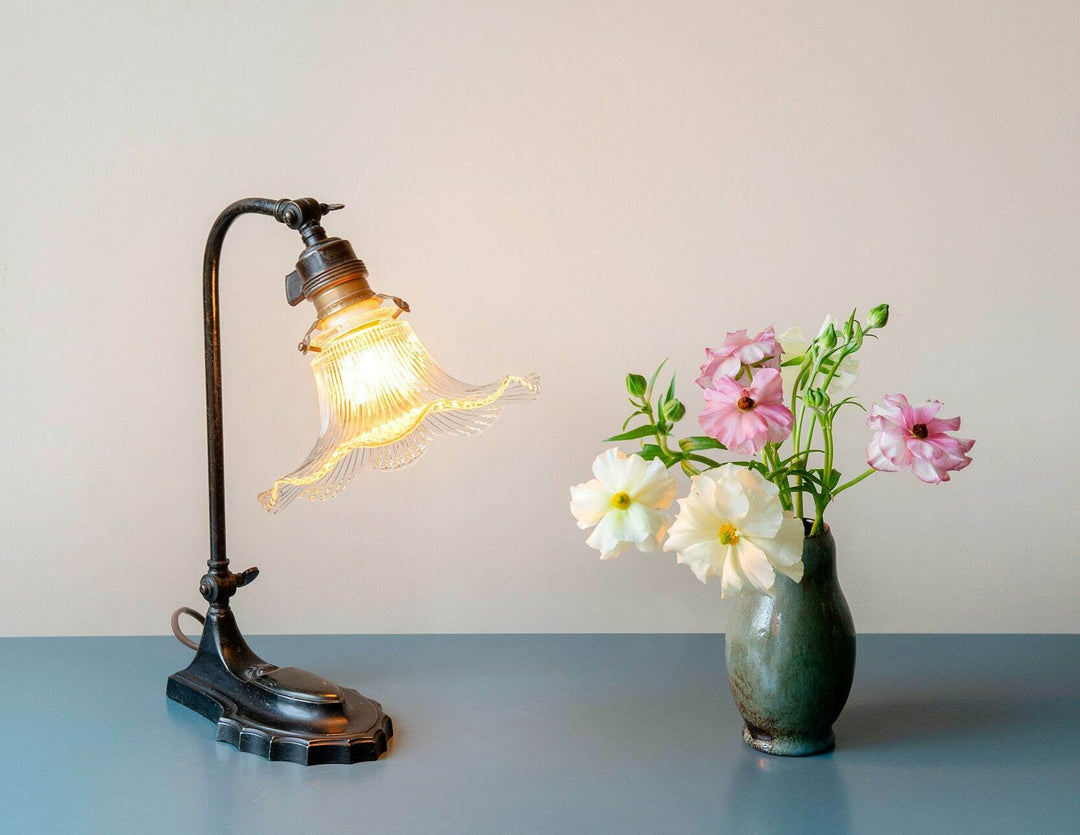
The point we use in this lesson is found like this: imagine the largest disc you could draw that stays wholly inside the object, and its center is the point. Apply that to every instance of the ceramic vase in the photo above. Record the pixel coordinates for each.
(791, 657)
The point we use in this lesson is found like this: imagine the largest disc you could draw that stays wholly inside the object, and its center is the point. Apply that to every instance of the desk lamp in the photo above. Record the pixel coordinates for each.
(382, 400)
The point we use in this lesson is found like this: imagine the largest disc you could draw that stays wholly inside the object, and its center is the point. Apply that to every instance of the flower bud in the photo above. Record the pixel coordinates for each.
(674, 411)
(878, 317)
(635, 384)
(817, 398)
(828, 339)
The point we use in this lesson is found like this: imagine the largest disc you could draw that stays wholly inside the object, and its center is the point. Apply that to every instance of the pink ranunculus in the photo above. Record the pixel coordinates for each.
(911, 436)
(745, 418)
(738, 349)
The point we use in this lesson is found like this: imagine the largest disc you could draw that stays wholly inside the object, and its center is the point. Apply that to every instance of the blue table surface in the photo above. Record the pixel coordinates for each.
(550, 733)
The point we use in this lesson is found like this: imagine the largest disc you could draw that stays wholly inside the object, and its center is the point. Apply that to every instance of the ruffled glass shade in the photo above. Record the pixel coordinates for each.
(382, 400)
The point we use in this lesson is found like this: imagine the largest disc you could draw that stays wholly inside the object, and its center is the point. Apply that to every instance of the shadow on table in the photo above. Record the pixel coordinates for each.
(1020, 727)
(890, 721)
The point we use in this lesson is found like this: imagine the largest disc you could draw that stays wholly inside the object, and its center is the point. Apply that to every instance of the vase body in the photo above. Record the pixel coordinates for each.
(791, 657)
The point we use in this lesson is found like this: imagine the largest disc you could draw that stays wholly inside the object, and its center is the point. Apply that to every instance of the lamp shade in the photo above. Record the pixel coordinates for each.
(382, 400)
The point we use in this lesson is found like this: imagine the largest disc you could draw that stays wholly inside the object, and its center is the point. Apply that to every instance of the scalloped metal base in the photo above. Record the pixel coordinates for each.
(281, 713)
(363, 735)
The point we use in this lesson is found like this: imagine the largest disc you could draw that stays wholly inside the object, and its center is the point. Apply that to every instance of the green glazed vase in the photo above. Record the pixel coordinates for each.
(791, 658)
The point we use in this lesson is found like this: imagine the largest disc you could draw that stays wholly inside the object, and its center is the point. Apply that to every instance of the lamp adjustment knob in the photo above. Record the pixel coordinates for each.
(304, 211)
(218, 588)
(248, 576)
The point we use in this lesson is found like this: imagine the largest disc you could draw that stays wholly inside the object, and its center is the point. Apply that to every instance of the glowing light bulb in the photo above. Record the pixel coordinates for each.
(382, 400)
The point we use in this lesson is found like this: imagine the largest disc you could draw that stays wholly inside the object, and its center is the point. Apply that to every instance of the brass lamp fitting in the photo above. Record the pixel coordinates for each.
(328, 273)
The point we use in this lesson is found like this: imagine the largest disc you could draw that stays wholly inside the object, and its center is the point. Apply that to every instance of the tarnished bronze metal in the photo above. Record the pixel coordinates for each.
(281, 713)
(328, 273)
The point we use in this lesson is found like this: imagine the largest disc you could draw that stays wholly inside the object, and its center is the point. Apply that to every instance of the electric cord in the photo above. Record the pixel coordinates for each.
(178, 632)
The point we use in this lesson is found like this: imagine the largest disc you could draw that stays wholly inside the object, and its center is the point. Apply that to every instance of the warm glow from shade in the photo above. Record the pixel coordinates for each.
(382, 400)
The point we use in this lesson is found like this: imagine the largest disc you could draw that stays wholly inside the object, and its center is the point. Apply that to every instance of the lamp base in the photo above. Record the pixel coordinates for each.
(281, 713)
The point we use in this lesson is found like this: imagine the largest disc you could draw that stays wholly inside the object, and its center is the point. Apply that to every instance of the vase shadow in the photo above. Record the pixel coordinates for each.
(891, 721)
(927, 724)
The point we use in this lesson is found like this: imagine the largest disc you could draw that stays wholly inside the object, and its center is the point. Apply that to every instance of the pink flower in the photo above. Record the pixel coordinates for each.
(911, 436)
(739, 349)
(744, 418)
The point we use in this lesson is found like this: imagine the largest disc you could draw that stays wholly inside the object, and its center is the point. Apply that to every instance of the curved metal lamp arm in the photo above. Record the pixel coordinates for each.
(303, 215)
(282, 713)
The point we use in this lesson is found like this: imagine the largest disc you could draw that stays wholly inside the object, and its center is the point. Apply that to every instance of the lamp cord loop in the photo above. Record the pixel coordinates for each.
(178, 632)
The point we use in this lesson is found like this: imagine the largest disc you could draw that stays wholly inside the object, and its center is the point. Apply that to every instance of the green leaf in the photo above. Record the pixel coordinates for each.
(652, 381)
(701, 459)
(753, 465)
(856, 339)
(633, 434)
(651, 451)
(802, 454)
(849, 401)
(635, 384)
(805, 487)
(670, 396)
(696, 442)
(627, 421)
(849, 325)
(806, 475)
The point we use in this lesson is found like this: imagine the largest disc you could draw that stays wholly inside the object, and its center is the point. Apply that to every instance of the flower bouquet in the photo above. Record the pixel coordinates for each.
(756, 519)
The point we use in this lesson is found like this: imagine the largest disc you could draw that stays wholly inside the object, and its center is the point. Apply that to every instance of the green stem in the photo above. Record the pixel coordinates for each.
(796, 436)
(661, 438)
(841, 352)
(853, 482)
(830, 447)
(771, 457)
(825, 385)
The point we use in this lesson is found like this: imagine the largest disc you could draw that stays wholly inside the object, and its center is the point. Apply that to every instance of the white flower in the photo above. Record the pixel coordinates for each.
(731, 526)
(626, 502)
(795, 345)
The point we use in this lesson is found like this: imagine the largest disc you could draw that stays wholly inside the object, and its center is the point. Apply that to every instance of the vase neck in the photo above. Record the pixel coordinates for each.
(819, 558)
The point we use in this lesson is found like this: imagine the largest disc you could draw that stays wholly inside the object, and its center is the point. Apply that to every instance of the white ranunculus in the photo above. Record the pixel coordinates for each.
(795, 345)
(732, 526)
(626, 502)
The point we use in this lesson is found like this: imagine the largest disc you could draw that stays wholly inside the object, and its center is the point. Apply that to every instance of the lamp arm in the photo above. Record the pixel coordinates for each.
(303, 215)
(281, 713)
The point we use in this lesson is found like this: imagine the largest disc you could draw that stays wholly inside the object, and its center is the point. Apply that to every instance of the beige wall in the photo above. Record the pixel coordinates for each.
(578, 189)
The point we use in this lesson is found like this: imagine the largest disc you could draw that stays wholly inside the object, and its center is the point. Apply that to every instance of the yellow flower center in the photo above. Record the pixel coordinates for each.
(621, 500)
(728, 535)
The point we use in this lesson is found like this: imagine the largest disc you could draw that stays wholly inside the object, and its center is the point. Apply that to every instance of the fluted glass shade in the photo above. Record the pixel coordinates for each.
(382, 400)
